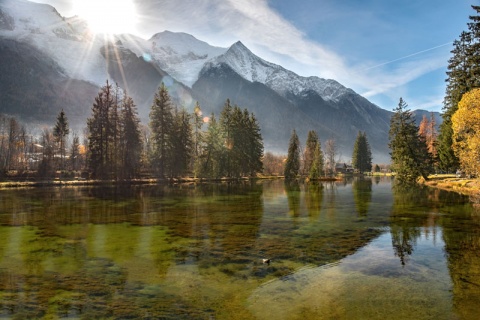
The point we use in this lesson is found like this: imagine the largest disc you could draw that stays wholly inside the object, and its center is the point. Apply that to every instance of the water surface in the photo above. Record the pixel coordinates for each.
(358, 249)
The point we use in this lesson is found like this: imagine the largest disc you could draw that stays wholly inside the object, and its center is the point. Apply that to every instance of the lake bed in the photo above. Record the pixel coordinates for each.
(359, 248)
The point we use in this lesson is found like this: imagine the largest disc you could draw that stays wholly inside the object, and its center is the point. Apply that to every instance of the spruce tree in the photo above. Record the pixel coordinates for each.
(130, 139)
(60, 131)
(197, 118)
(316, 168)
(463, 75)
(100, 133)
(226, 123)
(309, 154)
(410, 157)
(292, 166)
(181, 140)
(254, 147)
(362, 155)
(243, 141)
(161, 126)
(214, 153)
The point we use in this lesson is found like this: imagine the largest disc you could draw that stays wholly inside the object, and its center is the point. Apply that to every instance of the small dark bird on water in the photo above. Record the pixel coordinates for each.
(267, 261)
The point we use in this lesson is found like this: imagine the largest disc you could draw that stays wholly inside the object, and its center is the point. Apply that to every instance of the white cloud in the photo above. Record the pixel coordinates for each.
(271, 36)
(274, 38)
(382, 81)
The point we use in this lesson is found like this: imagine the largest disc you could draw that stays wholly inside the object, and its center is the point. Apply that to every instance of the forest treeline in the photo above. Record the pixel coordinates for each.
(116, 145)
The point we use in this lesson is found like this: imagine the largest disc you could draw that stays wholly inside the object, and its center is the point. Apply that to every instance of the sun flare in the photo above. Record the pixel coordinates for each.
(107, 16)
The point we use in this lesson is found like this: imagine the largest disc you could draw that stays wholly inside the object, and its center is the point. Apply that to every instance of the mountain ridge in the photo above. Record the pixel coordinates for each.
(193, 71)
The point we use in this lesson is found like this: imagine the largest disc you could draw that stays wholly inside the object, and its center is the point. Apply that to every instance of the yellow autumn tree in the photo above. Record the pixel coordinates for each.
(466, 132)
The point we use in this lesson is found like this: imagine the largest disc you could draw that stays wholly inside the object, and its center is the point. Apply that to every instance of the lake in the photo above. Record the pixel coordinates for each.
(356, 249)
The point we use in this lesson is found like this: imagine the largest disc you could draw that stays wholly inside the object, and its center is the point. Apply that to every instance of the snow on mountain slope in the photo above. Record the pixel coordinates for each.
(67, 41)
(283, 81)
(181, 55)
(77, 52)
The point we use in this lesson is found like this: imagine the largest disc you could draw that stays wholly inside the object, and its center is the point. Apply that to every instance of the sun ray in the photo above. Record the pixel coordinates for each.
(107, 16)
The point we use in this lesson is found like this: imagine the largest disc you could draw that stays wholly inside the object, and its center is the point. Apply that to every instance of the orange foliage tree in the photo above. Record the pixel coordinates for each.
(428, 131)
(466, 132)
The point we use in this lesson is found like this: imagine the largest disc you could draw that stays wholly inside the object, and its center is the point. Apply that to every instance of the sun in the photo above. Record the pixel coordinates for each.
(107, 16)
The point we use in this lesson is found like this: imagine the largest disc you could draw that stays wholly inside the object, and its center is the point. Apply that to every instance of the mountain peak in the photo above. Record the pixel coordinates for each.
(239, 45)
(170, 35)
(181, 54)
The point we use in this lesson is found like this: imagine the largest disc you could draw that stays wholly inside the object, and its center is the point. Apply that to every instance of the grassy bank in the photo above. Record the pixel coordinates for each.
(453, 183)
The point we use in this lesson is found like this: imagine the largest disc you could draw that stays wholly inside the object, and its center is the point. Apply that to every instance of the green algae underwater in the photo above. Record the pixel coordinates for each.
(356, 249)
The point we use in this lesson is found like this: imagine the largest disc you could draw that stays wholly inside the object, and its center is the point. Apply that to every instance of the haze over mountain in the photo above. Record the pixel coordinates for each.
(48, 62)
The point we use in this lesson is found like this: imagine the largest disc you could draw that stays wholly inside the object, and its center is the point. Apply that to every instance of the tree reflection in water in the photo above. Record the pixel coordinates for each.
(314, 199)
(292, 188)
(405, 218)
(362, 193)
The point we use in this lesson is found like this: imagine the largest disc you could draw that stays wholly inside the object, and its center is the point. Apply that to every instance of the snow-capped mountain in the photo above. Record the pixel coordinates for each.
(181, 55)
(48, 62)
(67, 40)
(283, 81)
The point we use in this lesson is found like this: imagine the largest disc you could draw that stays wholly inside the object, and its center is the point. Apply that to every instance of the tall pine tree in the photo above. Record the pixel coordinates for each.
(254, 147)
(362, 155)
(130, 142)
(292, 166)
(463, 75)
(410, 158)
(181, 143)
(100, 133)
(60, 131)
(198, 120)
(316, 168)
(214, 154)
(161, 126)
(309, 153)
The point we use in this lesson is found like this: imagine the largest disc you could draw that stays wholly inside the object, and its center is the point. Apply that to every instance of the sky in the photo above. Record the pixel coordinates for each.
(382, 49)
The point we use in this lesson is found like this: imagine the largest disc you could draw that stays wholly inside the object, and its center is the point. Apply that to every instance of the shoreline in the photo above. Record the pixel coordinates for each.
(469, 187)
(11, 184)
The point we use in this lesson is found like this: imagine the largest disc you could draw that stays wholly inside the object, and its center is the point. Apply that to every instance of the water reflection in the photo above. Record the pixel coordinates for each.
(195, 251)
(362, 192)
(314, 199)
(292, 189)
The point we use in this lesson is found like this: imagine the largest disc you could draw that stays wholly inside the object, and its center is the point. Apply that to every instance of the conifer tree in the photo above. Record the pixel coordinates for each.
(410, 158)
(60, 131)
(226, 122)
(214, 153)
(100, 133)
(161, 126)
(197, 137)
(292, 166)
(362, 155)
(255, 145)
(316, 168)
(243, 141)
(463, 75)
(181, 142)
(309, 154)
(130, 139)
